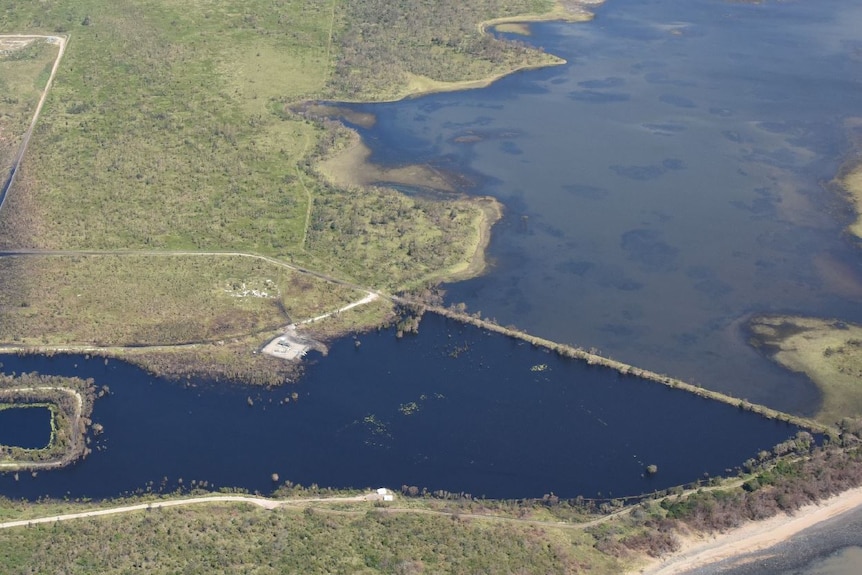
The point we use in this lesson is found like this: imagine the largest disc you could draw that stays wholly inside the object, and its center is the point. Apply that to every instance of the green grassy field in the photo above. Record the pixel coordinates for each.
(241, 539)
(171, 299)
(168, 127)
(218, 310)
(24, 68)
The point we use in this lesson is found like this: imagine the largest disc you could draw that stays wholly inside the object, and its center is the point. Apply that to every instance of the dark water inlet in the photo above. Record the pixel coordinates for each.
(26, 427)
(453, 408)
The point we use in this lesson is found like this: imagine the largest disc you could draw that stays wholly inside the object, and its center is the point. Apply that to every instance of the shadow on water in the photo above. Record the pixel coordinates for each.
(454, 408)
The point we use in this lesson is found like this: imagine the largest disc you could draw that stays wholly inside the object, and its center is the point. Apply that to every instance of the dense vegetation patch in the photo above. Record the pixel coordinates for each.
(780, 488)
(70, 401)
(385, 46)
(242, 539)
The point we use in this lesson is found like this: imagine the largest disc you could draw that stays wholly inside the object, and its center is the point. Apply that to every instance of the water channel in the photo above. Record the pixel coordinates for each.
(453, 408)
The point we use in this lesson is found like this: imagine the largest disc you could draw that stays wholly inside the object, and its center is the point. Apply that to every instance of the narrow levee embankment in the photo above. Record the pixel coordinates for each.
(626, 369)
(561, 349)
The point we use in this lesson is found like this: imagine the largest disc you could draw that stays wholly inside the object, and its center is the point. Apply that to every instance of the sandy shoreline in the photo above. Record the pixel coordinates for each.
(351, 167)
(490, 212)
(698, 552)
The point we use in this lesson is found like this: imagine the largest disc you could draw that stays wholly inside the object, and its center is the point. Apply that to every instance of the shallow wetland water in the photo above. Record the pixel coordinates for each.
(664, 185)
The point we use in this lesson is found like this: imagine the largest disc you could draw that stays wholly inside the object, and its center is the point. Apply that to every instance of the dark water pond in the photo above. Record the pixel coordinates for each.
(663, 185)
(27, 427)
(453, 408)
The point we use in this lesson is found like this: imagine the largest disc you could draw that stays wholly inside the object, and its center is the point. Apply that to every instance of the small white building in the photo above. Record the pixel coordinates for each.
(385, 494)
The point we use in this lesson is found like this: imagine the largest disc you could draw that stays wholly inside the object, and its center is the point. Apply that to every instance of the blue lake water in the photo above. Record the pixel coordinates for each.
(454, 408)
(664, 185)
(27, 427)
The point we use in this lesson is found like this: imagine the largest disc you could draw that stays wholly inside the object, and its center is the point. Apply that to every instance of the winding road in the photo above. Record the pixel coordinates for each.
(269, 504)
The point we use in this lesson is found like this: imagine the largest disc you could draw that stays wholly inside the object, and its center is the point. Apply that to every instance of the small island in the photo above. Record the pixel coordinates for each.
(70, 402)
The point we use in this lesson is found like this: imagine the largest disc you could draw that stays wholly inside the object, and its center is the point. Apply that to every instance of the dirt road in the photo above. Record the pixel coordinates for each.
(292, 346)
(29, 133)
(264, 502)
(77, 448)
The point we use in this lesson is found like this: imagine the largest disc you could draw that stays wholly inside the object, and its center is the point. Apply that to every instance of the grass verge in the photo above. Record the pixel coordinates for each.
(154, 299)
(827, 351)
(23, 64)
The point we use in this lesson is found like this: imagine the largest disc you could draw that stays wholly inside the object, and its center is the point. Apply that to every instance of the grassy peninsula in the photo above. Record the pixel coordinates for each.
(170, 128)
(827, 351)
(849, 178)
